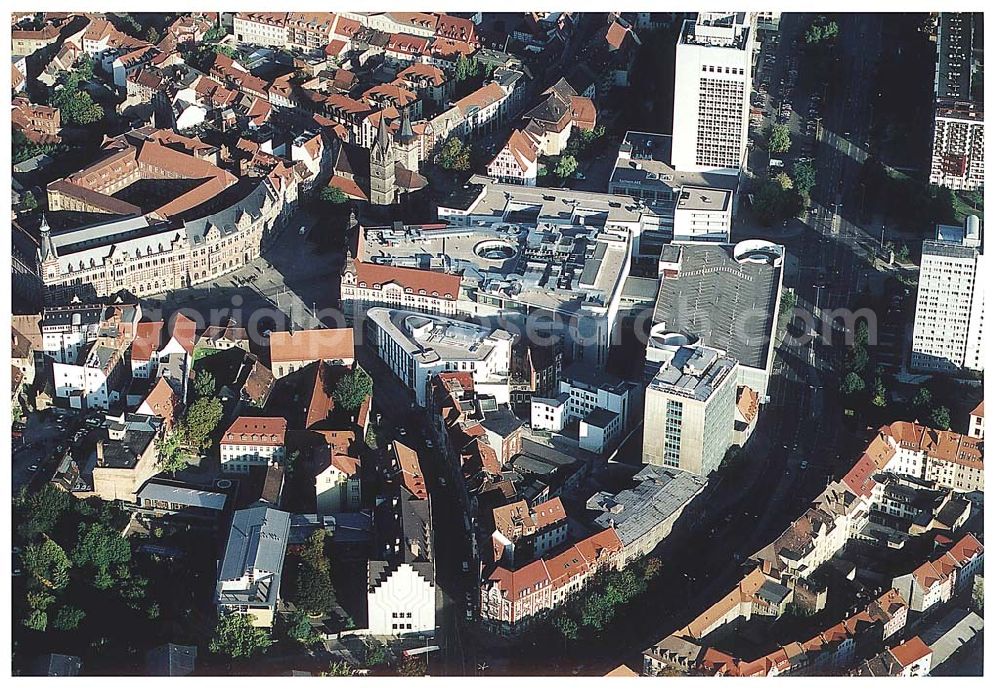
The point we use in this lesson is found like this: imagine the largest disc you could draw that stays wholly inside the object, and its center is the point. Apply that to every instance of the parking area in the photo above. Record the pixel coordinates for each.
(779, 99)
(44, 439)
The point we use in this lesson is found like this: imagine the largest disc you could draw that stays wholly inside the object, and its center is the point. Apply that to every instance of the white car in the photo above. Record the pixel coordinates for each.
(303, 230)
(402, 431)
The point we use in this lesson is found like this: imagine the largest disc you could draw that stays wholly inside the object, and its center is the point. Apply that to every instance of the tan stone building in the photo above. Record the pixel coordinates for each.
(127, 458)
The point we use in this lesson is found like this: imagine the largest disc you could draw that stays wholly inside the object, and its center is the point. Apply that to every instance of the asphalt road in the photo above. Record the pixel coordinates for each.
(799, 444)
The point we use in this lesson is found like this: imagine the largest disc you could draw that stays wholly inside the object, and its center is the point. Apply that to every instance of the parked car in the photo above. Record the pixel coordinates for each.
(33, 468)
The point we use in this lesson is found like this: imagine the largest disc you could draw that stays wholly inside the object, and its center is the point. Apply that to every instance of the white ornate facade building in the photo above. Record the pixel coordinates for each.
(150, 251)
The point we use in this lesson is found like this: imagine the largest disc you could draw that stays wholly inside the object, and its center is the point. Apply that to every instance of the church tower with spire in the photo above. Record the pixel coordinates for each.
(382, 167)
(48, 257)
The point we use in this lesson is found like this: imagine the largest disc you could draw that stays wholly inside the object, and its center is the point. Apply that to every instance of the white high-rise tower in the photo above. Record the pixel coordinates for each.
(948, 324)
(712, 88)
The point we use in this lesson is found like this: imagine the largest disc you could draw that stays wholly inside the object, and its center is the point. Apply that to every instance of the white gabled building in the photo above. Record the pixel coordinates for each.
(402, 590)
(66, 329)
(338, 482)
(550, 414)
(261, 28)
(516, 162)
(941, 579)
(251, 441)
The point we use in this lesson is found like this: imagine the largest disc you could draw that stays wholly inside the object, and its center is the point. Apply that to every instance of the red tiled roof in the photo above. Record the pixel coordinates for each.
(978, 412)
(616, 34)
(269, 18)
(346, 27)
(256, 431)
(566, 565)
(876, 457)
(747, 401)
(445, 285)
(349, 187)
(584, 112)
(320, 401)
(399, 95)
(162, 401)
(459, 28)
(319, 20)
(329, 456)
(522, 148)
(335, 47)
(481, 98)
(364, 411)
(521, 582)
(183, 331)
(911, 651)
(422, 70)
(312, 345)
(942, 445)
(425, 20)
(409, 466)
(346, 104)
(148, 335)
(600, 546)
(450, 48)
(549, 513)
(407, 44)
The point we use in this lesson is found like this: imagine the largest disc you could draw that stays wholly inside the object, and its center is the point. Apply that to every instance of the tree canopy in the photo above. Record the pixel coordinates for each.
(565, 167)
(772, 202)
(333, 195)
(204, 384)
(38, 512)
(940, 418)
(200, 420)
(98, 548)
(47, 564)
(314, 589)
(852, 384)
(171, 457)
(352, 389)
(822, 30)
(237, 638)
(23, 148)
(804, 177)
(455, 154)
(780, 140)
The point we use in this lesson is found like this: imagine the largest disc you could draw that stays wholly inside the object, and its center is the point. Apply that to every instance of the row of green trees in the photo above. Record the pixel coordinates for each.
(783, 196)
(588, 613)
(862, 382)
